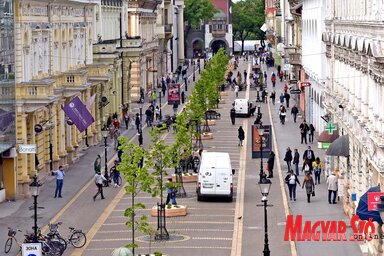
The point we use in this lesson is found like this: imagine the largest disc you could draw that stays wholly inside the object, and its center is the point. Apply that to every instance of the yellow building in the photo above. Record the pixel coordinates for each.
(54, 63)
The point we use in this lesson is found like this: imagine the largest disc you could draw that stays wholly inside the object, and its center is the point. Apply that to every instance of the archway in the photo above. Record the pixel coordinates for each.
(216, 45)
(198, 48)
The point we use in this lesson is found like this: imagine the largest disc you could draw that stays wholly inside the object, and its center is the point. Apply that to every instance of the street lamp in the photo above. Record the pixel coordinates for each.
(193, 75)
(141, 104)
(265, 186)
(261, 134)
(105, 134)
(34, 188)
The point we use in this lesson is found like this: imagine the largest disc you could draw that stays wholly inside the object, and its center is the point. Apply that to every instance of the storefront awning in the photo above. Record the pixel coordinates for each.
(340, 147)
(328, 138)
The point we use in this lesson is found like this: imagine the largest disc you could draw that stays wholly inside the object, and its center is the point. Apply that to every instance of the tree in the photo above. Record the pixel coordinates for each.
(247, 19)
(139, 179)
(196, 11)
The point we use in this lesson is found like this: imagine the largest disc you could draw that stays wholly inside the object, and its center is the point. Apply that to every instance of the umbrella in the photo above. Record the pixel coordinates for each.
(122, 251)
(362, 207)
(340, 147)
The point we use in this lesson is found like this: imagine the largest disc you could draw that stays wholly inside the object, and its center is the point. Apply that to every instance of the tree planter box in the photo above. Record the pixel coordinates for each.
(222, 101)
(175, 211)
(223, 93)
(186, 178)
(205, 136)
(211, 122)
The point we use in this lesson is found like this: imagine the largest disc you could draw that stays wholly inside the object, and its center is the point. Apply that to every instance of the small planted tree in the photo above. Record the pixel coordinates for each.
(139, 179)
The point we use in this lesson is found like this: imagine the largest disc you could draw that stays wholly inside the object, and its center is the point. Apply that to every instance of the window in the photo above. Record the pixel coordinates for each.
(270, 3)
(32, 90)
(70, 79)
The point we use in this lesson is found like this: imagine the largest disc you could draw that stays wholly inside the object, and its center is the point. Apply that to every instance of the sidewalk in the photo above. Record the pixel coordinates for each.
(288, 135)
(18, 214)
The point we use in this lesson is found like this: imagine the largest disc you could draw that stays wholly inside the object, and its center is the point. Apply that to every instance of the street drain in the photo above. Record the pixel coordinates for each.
(172, 238)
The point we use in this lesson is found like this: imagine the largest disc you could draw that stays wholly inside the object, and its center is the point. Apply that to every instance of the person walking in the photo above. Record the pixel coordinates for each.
(296, 160)
(288, 158)
(311, 133)
(281, 75)
(59, 180)
(115, 174)
(310, 156)
(265, 77)
(148, 114)
(171, 193)
(309, 186)
(140, 138)
(157, 113)
(282, 98)
(291, 180)
(282, 114)
(126, 120)
(241, 135)
(245, 76)
(278, 69)
(317, 166)
(97, 164)
(233, 115)
(237, 90)
(138, 122)
(270, 163)
(273, 96)
(273, 80)
(99, 179)
(182, 97)
(332, 187)
(287, 97)
(163, 87)
(304, 128)
(306, 169)
(154, 97)
(294, 112)
(175, 107)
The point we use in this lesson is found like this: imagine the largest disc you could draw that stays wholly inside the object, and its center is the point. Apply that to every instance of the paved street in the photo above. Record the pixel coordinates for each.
(212, 227)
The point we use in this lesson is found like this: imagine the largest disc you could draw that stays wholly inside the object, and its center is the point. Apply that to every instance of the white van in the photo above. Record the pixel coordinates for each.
(242, 107)
(215, 176)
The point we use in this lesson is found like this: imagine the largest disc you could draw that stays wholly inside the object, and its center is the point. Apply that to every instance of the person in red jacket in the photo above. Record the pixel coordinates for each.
(281, 75)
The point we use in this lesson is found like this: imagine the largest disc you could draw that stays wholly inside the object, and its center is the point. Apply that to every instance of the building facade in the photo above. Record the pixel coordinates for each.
(354, 40)
(212, 35)
(7, 102)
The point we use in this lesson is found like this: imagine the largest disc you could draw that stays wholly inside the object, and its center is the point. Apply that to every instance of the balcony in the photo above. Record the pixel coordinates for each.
(218, 33)
(168, 31)
(295, 59)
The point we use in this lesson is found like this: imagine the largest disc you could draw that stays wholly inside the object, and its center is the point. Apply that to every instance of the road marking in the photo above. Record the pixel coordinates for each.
(173, 229)
(283, 193)
(173, 222)
(168, 245)
(238, 224)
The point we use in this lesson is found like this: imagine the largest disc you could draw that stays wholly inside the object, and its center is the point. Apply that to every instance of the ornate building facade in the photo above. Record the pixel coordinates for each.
(354, 94)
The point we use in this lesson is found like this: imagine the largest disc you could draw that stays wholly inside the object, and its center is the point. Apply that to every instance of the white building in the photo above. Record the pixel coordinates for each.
(354, 92)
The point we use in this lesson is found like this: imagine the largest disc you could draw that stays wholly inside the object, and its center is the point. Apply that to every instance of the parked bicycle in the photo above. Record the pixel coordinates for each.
(11, 238)
(50, 246)
(76, 237)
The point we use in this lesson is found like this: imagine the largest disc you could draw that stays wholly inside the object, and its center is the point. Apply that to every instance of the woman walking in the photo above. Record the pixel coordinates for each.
(271, 163)
(309, 186)
(288, 158)
(241, 135)
(291, 180)
(317, 166)
(311, 132)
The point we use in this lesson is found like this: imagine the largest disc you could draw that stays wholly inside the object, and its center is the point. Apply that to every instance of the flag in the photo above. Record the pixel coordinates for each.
(79, 114)
(90, 101)
(264, 27)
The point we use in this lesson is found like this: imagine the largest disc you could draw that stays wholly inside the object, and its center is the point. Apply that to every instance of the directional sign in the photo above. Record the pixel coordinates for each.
(292, 81)
(31, 249)
(305, 84)
(295, 91)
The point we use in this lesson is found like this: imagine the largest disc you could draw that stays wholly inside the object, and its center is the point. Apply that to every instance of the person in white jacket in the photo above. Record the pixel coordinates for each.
(332, 187)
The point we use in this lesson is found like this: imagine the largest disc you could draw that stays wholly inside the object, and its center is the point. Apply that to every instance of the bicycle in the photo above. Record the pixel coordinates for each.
(11, 238)
(50, 246)
(76, 237)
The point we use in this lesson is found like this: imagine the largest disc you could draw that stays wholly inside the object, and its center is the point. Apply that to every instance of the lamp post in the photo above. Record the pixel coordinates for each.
(265, 186)
(34, 188)
(261, 134)
(141, 104)
(105, 134)
(193, 75)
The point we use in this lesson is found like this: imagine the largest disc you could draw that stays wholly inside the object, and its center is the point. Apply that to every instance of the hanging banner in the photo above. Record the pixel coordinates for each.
(79, 114)
(173, 94)
(266, 141)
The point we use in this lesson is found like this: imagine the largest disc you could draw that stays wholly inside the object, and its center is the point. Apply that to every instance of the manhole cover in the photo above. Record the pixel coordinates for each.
(172, 238)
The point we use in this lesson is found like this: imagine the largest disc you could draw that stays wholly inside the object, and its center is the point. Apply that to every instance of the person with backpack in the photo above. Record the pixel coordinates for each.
(291, 180)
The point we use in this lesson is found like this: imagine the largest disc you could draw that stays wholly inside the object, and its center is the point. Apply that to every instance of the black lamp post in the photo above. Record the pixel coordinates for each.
(141, 104)
(105, 134)
(265, 186)
(261, 134)
(34, 188)
(193, 75)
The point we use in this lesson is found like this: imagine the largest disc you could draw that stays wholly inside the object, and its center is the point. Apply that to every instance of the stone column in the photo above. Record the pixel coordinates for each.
(180, 34)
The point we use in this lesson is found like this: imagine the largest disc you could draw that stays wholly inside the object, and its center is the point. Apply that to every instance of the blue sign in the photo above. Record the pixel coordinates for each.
(353, 197)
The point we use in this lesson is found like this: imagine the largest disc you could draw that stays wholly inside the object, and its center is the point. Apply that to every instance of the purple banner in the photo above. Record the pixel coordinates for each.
(79, 114)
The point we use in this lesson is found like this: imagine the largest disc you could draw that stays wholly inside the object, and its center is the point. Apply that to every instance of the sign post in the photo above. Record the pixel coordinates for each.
(31, 249)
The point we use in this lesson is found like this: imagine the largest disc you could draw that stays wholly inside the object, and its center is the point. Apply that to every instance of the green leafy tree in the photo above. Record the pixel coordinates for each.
(247, 19)
(183, 143)
(138, 179)
(196, 11)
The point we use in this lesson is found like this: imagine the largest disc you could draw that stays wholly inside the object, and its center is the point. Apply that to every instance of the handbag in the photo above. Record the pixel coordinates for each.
(313, 193)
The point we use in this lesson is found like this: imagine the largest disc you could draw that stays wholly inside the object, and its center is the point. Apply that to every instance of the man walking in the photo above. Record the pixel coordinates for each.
(296, 160)
(287, 97)
(310, 156)
(99, 179)
(233, 115)
(245, 76)
(138, 122)
(59, 180)
(332, 187)
(304, 128)
(294, 112)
